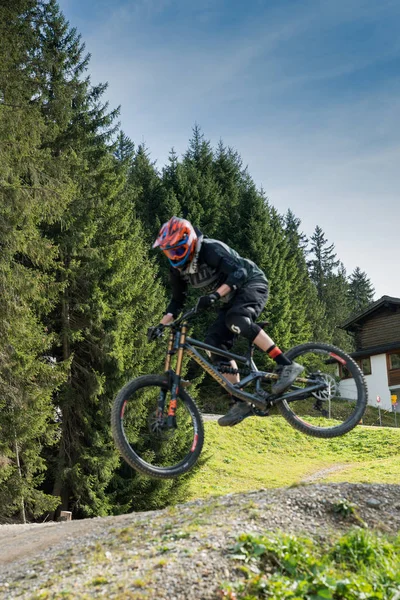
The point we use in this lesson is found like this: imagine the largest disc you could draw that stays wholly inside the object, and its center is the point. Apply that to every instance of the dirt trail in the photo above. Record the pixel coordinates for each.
(22, 541)
(182, 552)
(321, 473)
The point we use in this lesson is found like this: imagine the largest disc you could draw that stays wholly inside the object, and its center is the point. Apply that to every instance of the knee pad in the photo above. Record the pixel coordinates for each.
(242, 325)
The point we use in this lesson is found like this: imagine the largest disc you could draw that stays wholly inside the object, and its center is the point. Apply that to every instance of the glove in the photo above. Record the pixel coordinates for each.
(206, 301)
(155, 332)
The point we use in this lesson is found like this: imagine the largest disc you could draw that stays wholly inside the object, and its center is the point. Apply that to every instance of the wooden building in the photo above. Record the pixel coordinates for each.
(377, 336)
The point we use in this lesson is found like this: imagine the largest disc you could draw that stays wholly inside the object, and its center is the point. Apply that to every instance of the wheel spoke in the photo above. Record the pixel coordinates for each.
(337, 407)
(144, 436)
(149, 435)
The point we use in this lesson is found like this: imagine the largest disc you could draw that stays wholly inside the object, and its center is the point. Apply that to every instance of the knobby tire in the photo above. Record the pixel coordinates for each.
(361, 402)
(123, 445)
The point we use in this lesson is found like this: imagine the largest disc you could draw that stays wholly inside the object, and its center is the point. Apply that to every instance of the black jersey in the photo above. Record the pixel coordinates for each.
(213, 264)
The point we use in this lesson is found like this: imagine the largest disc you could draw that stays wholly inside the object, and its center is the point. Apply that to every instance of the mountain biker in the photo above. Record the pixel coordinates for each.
(241, 287)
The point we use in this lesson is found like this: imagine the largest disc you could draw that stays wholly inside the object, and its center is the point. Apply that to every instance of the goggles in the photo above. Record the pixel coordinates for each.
(176, 252)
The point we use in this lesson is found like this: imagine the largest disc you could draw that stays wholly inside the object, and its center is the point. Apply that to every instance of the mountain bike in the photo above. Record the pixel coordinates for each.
(158, 428)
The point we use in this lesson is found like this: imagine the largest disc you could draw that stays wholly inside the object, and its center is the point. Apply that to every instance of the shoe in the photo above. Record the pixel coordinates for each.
(237, 412)
(288, 374)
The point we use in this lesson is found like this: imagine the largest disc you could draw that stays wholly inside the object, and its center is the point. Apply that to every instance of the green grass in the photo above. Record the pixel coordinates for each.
(267, 452)
(360, 564)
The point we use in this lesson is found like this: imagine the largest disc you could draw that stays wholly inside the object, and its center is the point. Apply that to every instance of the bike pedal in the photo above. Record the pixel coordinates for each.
(185, 383)
(261, 413)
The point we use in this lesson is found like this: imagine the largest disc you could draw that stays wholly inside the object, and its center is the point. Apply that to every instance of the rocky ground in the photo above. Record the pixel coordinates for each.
(181, 552)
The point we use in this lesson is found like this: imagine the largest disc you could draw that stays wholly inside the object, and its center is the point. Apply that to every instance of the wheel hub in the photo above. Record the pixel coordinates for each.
(330, 389)
(158, 427)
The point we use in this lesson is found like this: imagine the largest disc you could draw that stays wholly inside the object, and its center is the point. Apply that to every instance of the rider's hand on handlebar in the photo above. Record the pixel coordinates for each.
(155, 332)
(206, 301)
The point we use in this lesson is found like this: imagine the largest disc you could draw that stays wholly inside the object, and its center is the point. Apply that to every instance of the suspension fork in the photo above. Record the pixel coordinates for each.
(163, 393)
(170, 351)
(176, 376)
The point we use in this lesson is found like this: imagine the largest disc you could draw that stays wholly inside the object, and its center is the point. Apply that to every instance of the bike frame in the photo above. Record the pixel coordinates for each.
(179, 343)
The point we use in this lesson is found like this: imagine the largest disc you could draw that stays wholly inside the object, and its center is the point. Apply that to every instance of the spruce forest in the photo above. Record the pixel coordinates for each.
(80, 205)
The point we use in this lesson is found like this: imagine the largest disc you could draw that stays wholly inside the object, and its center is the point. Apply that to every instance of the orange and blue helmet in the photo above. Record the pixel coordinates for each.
(177, 239)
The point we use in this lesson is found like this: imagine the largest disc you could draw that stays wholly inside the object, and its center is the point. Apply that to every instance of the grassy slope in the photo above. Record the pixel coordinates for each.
(269, 453)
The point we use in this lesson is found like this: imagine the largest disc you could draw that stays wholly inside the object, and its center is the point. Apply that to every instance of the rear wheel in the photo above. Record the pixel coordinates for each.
(142, 435)
(334, 410)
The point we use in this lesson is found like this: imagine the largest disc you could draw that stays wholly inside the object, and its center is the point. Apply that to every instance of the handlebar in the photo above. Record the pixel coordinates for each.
(185, 317)
(174, 324)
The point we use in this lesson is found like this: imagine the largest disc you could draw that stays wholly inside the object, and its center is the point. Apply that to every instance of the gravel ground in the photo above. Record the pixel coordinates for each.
(179, 553)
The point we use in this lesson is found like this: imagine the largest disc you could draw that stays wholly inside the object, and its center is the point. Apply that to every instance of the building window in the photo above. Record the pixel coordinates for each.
(343, 372)
(363, 363)
(394, 361)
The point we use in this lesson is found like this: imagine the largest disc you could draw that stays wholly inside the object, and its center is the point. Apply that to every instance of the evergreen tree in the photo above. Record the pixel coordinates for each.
(360, 291)
(260, 237)
(109, 295)
(124, 149)
(228, 173)
(148, 193)
(304, 309)
(324, 261)
(172, 175)
(197, 191)
(170, 172)
(337, 307)
(153, 203)
(329, 277)
(31, 193)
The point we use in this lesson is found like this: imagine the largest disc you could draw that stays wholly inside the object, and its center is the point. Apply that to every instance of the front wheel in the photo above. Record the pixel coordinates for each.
(143, 436)
(334, 410)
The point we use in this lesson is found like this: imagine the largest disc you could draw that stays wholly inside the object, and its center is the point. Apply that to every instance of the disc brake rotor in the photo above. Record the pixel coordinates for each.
(158, 427)
(330, 390)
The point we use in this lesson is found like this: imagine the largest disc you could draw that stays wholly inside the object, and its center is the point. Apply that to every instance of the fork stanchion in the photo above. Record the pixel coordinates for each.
(169, 351)
(181, 347)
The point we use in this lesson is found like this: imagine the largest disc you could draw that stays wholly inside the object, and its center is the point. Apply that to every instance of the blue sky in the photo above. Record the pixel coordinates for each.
(308, 92)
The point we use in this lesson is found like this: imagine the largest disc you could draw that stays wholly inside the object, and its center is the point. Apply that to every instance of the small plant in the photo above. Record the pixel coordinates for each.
(362, 548)
(280, 567)
(161, 563)
(139, 583)
(125, 534)
(344, 508)
(100, 580)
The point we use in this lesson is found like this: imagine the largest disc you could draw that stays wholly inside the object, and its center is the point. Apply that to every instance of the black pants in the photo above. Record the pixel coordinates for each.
(248, 301)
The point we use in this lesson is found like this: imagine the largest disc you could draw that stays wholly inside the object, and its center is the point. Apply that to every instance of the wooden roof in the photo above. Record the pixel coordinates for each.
(384, 302)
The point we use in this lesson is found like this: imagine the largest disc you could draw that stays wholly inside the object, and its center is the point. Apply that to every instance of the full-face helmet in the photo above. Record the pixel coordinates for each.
(177, 239)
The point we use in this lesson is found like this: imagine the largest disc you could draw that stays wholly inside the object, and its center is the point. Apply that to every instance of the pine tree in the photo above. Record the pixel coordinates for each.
(124, 149)
(324, 261)
(329, 277)
(170, 172)
(301, 290)
(228, 173)
(260, 237)
(337, 307)
(172, 175)
(153, 203)
(77, 127)
(148, 193)
(110, 293)
(197, 191)
(361, 291)
(31, 193)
